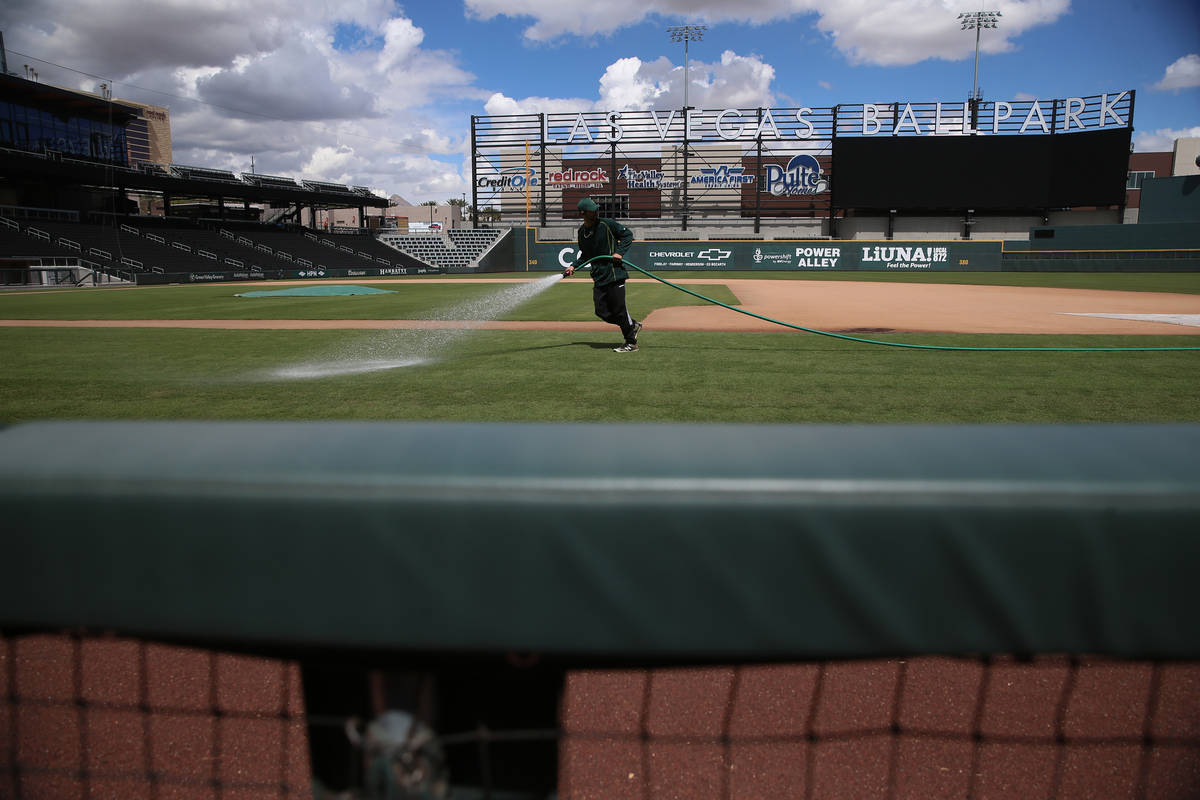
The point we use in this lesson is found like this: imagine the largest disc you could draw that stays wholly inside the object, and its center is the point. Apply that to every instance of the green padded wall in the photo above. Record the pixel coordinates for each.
(587, 541)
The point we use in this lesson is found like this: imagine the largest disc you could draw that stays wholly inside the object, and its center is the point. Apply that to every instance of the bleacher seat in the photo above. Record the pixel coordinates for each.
(276, 181)
(125, 247)
(204, 173)
(457, 249)
(322, 186)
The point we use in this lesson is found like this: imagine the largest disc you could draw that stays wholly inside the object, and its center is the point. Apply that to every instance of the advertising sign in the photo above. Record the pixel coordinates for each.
(795, 255)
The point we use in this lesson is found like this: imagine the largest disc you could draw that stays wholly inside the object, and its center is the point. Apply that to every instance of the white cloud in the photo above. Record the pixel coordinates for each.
(882, 32)
(1162, 140)
(272, 83)
(500, 104)
(401, 40)
(291, 83)
(1183, 74)
(736, 81)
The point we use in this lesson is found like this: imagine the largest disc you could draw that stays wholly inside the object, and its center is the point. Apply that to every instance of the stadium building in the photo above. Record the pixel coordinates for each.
(1018, 185)
(898, 187)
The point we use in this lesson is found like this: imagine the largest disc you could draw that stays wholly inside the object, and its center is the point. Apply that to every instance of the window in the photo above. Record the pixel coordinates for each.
(1136, 178)
(619, 210)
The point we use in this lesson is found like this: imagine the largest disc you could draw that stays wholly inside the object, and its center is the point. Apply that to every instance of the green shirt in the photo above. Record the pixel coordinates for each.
(608, 237)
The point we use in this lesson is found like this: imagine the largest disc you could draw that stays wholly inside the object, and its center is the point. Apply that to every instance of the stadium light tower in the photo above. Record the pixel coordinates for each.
(978, 20)
(685, 34)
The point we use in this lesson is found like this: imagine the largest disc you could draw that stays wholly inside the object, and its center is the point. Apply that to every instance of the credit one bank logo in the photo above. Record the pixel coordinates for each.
(802, 176)
(512, 179)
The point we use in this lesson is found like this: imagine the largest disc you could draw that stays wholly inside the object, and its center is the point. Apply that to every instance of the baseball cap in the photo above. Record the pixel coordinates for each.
(588, 204)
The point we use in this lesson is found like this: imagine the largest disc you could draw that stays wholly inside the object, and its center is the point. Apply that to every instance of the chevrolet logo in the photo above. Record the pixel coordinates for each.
(714, 254)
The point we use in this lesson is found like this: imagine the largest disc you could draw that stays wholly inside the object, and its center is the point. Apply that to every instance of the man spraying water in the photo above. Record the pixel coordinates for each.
(607, 241)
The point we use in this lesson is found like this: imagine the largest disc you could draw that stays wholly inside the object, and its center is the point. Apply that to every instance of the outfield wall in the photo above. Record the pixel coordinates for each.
(219, 276)
(793, 255)
(1158, 248)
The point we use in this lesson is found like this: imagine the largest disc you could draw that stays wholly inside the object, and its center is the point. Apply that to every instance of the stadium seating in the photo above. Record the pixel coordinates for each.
(368, 246)
(322, 186)
(125, 248)
(275, 181)
(16, 242)
(204, 173)
(328, 251)
(456, 250)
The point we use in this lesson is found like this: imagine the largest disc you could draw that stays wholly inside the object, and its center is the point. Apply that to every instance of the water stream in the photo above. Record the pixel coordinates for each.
(395, 349)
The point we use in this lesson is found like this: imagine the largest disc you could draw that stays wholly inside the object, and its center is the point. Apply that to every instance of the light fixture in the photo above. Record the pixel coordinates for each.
(977, 20)
(685, 34)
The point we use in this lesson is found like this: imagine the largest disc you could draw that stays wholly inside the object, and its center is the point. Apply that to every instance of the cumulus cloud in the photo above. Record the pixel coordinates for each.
(291, 83)
(350, 91)
(272, 84)
(736, 81)
(1183, 74)
(881, 32)
(1162, 140)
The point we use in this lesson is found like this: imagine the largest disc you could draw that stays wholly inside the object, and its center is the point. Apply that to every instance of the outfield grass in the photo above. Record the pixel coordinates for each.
(408, 300)
(555, 376)
(541, 375)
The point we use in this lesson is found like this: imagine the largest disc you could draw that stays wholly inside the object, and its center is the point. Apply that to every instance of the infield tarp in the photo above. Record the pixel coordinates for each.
(690, 541)
(317, 291)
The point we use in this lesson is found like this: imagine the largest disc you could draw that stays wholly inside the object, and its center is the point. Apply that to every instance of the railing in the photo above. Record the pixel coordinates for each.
(181, 246)
(30, 212)
(38, 234)
(130, 229)
(211, 256)
(70, 244)
(154, 237)
(131, 262)
(96, 251)
(233, 262)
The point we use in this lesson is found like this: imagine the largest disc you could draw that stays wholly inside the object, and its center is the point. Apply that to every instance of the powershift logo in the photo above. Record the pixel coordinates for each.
(802, 176)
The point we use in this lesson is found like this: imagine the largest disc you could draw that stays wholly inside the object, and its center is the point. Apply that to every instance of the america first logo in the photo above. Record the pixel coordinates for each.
(802, 177)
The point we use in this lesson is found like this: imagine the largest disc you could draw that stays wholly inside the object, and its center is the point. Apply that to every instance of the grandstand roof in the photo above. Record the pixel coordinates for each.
(68, 170)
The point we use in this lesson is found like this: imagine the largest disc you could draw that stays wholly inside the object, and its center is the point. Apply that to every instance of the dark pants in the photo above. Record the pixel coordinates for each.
(610, 307)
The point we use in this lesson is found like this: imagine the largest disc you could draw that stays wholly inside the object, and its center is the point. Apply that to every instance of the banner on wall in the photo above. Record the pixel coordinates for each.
(795, 255)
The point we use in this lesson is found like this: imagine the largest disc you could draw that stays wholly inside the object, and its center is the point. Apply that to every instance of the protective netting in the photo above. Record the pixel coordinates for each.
(1048, 727)
(100, 717)
(90, 717)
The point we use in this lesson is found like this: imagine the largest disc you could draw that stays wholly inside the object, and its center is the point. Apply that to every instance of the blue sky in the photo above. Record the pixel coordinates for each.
(379, 93)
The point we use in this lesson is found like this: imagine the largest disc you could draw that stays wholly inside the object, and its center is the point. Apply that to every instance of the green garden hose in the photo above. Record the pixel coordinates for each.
(877, 341)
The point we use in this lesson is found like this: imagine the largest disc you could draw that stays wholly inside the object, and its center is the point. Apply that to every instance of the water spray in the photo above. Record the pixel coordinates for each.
(413, 348)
